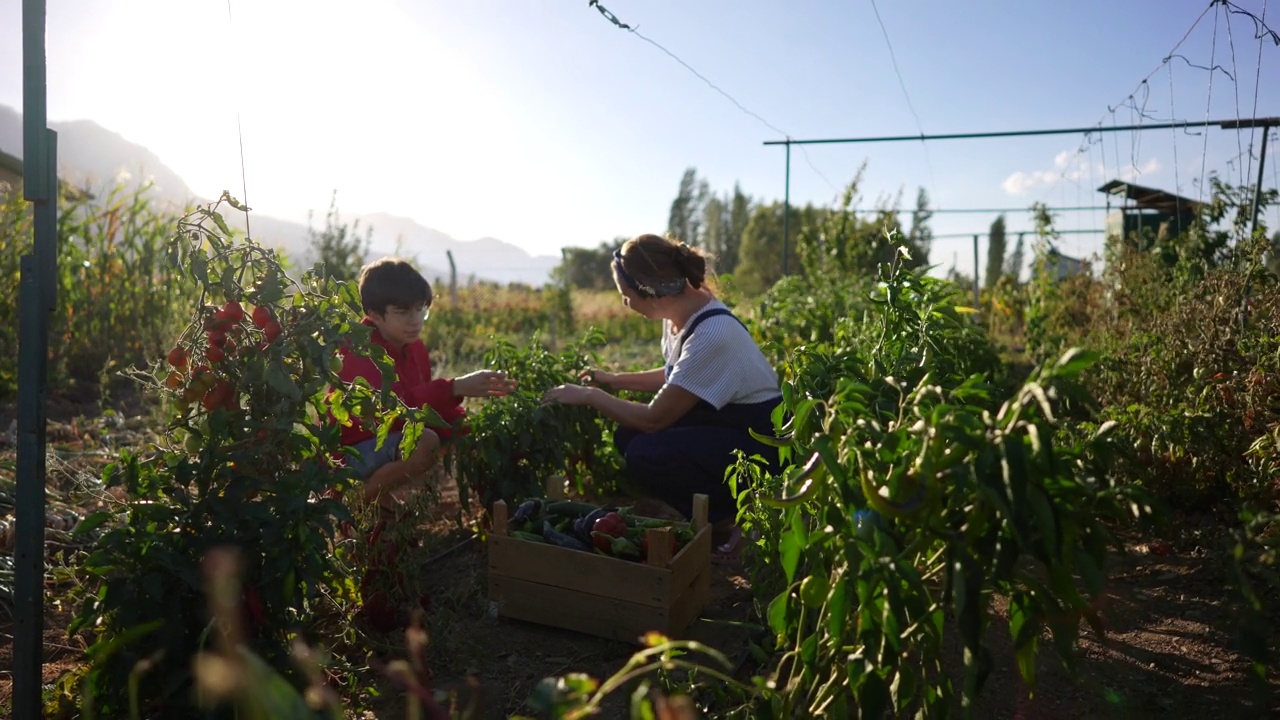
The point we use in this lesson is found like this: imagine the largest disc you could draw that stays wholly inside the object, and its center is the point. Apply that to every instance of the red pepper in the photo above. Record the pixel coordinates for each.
(611, 524)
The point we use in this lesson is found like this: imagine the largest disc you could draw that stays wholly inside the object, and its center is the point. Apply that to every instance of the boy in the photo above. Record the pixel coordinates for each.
(396, 300)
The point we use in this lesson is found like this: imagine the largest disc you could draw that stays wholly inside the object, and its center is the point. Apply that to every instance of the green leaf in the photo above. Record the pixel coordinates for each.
(1046, 521)
(1073, 362)
(269, 290)
(109, 644)
(873, 694)
(791, 546)
(1037, 392)
(809, 649)
(229, 283)
(222, 224)
(779, 611)
(269, 693)
(1025, 631)
(200, 267)
(838, 607)
(92, 522)
(280, 381)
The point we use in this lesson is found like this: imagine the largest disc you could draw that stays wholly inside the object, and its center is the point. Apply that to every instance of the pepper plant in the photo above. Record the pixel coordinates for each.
(513, 444)
(924, 492)
(245, 462)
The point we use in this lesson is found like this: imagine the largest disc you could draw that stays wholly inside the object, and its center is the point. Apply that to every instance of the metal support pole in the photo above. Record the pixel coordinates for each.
(977, 298)
(786, 217)
(36, 298)
(1257, 189)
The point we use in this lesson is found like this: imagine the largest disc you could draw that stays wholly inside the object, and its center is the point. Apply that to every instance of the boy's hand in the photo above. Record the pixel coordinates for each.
(483, 383)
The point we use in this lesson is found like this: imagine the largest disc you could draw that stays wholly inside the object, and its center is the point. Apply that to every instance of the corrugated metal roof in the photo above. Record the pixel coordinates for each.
(1151, 198)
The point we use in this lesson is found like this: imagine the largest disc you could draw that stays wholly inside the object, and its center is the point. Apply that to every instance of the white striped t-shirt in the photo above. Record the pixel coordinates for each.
(720, 361)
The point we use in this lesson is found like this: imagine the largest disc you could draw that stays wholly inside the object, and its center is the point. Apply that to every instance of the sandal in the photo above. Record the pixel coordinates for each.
(730, 551)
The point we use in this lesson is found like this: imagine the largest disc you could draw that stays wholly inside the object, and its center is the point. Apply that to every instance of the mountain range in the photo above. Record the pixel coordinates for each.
(88, 150)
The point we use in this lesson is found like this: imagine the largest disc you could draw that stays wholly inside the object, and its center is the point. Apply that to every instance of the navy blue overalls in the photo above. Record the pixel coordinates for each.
(691, 455)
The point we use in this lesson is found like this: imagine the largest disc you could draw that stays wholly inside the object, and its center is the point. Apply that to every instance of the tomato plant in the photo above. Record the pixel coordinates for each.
(245, 462)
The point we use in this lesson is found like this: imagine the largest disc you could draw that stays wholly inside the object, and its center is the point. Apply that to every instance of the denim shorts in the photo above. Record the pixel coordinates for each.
(365, 456)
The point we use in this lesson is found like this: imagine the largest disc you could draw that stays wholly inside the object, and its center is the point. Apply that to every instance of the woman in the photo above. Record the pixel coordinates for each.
(715, 385)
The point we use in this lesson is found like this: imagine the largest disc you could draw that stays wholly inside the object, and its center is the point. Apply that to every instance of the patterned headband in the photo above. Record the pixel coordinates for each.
(662, 289)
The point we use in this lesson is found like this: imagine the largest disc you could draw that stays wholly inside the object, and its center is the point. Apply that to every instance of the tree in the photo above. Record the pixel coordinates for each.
(685, 221)
(995, 253)
(339, 248)
(760, 260)
(920, 237)
(714, 225)
(587, 268)
(740, 208)
(1017, 258)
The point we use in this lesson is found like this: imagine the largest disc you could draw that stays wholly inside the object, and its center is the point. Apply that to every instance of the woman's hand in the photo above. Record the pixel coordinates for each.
(569, 394)
(483, 383)
(597, 378)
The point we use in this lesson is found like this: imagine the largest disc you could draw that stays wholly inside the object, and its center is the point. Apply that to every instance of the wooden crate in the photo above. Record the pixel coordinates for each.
(600, 595)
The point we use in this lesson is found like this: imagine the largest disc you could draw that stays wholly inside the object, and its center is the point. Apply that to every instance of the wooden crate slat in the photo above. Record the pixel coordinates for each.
(689, 605)
(692, 560)
(572, 610)
(579, 571)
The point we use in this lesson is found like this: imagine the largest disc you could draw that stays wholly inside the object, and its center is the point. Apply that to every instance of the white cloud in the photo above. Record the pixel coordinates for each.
(1069, 165)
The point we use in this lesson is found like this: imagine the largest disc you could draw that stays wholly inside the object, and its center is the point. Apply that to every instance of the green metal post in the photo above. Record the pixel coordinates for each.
(786, 216)
(36, 298)
(1257, 189)
(977, 291)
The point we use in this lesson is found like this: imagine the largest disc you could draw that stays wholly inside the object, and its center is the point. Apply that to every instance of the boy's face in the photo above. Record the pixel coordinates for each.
(400, 325)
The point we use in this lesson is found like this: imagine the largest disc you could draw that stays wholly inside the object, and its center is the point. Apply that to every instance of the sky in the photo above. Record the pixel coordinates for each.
(541, 123)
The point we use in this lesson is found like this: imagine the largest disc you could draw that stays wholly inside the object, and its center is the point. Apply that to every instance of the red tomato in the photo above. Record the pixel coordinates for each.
(271, 330)
(261, 316)
(178, 358)
(232, 311)
(220, 395)
(214, 353)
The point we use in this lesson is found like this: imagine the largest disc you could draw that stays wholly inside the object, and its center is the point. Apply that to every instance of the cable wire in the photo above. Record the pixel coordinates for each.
(1235, 87)
(744, 109)
(1257, 81)
(893, 58)
(244, 179)
(1208, 102)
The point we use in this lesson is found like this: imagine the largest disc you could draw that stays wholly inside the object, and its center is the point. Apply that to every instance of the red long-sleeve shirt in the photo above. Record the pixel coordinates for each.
(413, 384)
